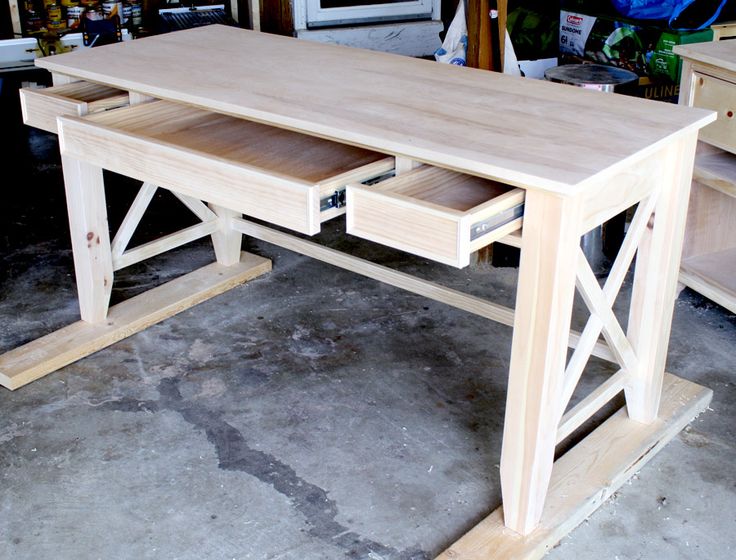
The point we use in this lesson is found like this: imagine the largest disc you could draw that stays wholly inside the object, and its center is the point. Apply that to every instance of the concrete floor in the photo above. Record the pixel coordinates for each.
(310, 414)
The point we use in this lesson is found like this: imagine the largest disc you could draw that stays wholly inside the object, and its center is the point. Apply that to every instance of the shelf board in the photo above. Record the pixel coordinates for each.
(716, 170)
(712, 275)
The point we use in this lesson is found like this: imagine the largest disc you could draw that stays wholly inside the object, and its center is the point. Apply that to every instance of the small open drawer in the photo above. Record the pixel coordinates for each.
(435, 213)
(40, 107)
(282, 177)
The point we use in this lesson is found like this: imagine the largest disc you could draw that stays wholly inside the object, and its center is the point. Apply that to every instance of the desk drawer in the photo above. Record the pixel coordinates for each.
(282, 177)
(717, 95)
(435, 213)
(41, 106)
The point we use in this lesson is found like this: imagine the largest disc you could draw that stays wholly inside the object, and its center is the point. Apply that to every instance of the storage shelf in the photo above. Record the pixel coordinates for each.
(712, 275)
(717, 170)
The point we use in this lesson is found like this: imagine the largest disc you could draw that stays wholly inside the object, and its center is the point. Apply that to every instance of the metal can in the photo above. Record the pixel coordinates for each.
(56, 24)
(53, 12)
(74, 16)
(69, 3)
(47, 3)
(113, 8)
(34, 23)
(90, 4)
(94, 15)
(136, 15)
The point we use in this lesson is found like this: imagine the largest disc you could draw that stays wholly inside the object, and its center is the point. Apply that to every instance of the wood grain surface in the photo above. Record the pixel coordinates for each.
(522, 132)
(718, 53)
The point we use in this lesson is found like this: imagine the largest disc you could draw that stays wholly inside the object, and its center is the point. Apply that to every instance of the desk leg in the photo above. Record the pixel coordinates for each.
(655, 282)
(90, 235)
(544, 300)
(226, 240)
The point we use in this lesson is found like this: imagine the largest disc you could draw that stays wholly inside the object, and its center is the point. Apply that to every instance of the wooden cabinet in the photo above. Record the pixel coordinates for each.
(709, 251)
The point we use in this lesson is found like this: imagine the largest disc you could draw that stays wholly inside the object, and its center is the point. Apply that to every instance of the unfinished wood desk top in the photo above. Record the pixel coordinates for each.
(718, 53)
(523, 132)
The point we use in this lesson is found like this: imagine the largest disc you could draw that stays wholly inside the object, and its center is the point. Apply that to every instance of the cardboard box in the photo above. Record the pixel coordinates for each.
(637, 46)
(658, 90)
(663, 62)
(535, 68)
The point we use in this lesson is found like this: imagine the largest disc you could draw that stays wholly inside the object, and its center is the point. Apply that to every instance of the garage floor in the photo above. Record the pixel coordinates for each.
(309, 414)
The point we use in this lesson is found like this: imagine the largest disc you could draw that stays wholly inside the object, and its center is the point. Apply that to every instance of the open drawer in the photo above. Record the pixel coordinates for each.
(282, 177)
(435, 213)
(40, 107)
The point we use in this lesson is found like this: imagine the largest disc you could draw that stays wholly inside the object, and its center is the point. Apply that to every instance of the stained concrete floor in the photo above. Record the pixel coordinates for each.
(309, 414)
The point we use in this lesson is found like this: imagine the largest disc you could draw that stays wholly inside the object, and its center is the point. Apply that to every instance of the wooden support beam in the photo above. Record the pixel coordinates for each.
(544, 300)
(615, 279)
(90, 235)
(430, 290)
(600, 308)
(655, 279)
(234, 11)
(480, 49)
(166, 243)
(226, 240)
(591, 404)
(425, 288)
(197, 207)
(586, 476)
(276, 16)
(69, 344)
(503, 13)
(132, 219)
(254, 10)
(15, 17)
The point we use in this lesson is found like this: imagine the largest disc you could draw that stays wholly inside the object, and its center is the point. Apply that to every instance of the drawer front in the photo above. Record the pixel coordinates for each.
(278, 201)
(402, 219)
(259, 171)
(718, 95)
(40, 107)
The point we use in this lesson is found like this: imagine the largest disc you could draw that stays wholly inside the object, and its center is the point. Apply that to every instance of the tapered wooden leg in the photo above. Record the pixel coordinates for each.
(546, 289)
(85, 196)
(226, 240)
(655, 281)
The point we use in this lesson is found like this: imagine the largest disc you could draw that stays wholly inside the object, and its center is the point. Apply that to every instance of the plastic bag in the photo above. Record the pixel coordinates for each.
(454, 48)
(650, 9)
(668, 10)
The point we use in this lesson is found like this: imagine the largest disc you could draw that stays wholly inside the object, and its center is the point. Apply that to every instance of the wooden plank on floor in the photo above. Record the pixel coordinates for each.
(73, 342)
(586, 476)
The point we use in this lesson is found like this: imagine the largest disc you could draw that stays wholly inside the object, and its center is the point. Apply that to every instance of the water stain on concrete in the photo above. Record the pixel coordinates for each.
(234, 454)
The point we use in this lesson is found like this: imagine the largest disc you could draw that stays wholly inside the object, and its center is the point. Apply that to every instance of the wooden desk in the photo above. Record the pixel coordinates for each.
(709, 253)
(574, 159)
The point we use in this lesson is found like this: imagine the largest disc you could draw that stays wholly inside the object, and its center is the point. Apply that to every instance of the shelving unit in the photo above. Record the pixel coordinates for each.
(709, 252)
